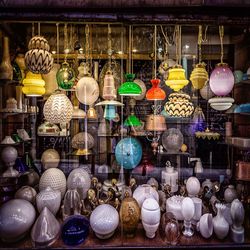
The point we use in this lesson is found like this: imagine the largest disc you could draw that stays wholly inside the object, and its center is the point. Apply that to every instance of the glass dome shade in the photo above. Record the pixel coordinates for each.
(172, 140)
(65, 77)
(82, 141)
(128, 153)
(33, 85)
(132, 121)
(221, 80)
(129, 88)
(176, 78)
(58, 108)
(155, 92)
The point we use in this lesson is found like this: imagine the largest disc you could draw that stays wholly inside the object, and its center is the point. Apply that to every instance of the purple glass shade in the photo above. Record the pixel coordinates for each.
(75, 230)
(221, 80)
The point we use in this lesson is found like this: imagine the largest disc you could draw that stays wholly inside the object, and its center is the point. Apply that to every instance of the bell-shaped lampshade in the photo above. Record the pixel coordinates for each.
(33, 85)
(132, 121)
(199, 76)
(156, 123)
(179, 105)
(109, 90)
(58, 108)
(221, 103)
(83, 142)
(221, 80)
(78, 113)
(176, 78)
(65, 77)
(87, 90)
(129, 88)
(155, 93)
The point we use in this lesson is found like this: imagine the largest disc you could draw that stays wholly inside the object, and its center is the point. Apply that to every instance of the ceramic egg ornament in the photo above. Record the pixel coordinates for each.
(188, 210)
(193, 186)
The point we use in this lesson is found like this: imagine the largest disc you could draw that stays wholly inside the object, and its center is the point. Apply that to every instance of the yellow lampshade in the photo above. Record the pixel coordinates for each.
(33, 85)
(176, 78)
(199, 76)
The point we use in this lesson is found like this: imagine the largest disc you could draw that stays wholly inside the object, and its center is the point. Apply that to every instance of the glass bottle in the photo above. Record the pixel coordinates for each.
(6, 69)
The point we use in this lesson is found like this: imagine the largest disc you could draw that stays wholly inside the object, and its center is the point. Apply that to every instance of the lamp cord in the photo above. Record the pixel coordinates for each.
(177, 42)
(155, 50)
(221, 33)
(129, 48)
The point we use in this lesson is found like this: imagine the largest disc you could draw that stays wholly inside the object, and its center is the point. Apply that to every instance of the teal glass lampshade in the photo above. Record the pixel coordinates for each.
(129, 88)
(132, 121)
(109, 112)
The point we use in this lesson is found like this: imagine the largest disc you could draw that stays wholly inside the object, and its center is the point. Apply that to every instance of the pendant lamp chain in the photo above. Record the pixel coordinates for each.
(155, 50)
(201, 40)
(87, 44)
(109, 48)
(129, 48)
(169, 41)
(177, 42)
(221, 33)
(33, 30)
(57, 46)
(38, 28)
(66, 42)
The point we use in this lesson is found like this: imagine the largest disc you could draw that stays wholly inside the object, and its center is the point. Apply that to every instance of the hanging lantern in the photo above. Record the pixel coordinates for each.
(65, 77)
(206, 92)
(179, 105)
(83, 142)
(58, 108)
(176, 78)
(109, 90)
(129, 88)
(33, 85)
(155, 93)
(199, 76)
(38, 59)
(156, 123)
(221, 80)
(221, 103)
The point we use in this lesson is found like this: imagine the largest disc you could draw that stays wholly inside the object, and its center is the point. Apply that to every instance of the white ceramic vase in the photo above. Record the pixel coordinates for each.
(205, 225)
(150, 216)
(104, 220)
(221, 226)
(48, 198)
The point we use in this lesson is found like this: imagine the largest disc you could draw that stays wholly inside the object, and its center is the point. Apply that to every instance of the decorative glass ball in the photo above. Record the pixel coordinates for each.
(75, 230)
(221, 80)
(54, 178)
(172, 140)
(9, 155)
(128, 153)
(50, 158)
(65, 77)
(58, 108)
(16, 218)
(87, 90)
(39, 61)
(38, 42)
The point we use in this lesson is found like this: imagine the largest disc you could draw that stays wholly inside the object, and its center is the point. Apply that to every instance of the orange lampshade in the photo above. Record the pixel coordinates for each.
(155, 93)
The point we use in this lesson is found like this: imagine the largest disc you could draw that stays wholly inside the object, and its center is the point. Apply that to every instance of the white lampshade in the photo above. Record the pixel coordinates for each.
(221, 103)
(58, 108)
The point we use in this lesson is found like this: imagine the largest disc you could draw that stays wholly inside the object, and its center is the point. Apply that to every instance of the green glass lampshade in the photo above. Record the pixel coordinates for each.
(132, 121)
(129, 88)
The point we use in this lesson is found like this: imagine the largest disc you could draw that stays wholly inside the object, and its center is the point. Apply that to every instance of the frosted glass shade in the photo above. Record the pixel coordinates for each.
(176, 78)
(172, 140)
(33, 85)
(87, 90)
(221, 80)
(155, 93)
(221, 103)
(179, 105)
(58, 108)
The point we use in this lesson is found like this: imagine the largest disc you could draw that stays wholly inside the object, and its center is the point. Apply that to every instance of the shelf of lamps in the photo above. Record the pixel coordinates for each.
(141, 56)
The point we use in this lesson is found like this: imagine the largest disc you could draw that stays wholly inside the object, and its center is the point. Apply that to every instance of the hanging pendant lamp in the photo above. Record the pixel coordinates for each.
(129, 88)
(65, 77)
(155, 93)
(132, 120)
(199, 76)
(109, 111)
(33, 85)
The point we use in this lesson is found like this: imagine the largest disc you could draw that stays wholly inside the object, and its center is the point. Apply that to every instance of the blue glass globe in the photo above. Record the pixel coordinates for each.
(75, 230)
(128, 153)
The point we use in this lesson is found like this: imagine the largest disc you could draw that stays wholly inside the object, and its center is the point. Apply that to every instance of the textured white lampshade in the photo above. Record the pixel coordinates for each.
(58, 108)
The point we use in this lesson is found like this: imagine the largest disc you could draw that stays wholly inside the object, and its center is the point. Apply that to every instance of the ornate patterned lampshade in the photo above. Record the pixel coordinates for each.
(58, 108)
(33, 85)
(82, 142)
(221, 80)
(129, 88)
(199, 76)
(179, 105)
(155, 93)
(176, 78)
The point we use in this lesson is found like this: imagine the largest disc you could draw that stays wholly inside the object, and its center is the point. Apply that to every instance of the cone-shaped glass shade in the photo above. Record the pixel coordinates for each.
(129, 88)
(132, 121)
(109, 112)
(155, 93)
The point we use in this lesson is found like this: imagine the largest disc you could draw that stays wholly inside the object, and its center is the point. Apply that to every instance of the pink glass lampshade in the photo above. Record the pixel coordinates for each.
(221, 80)
(155, 93)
